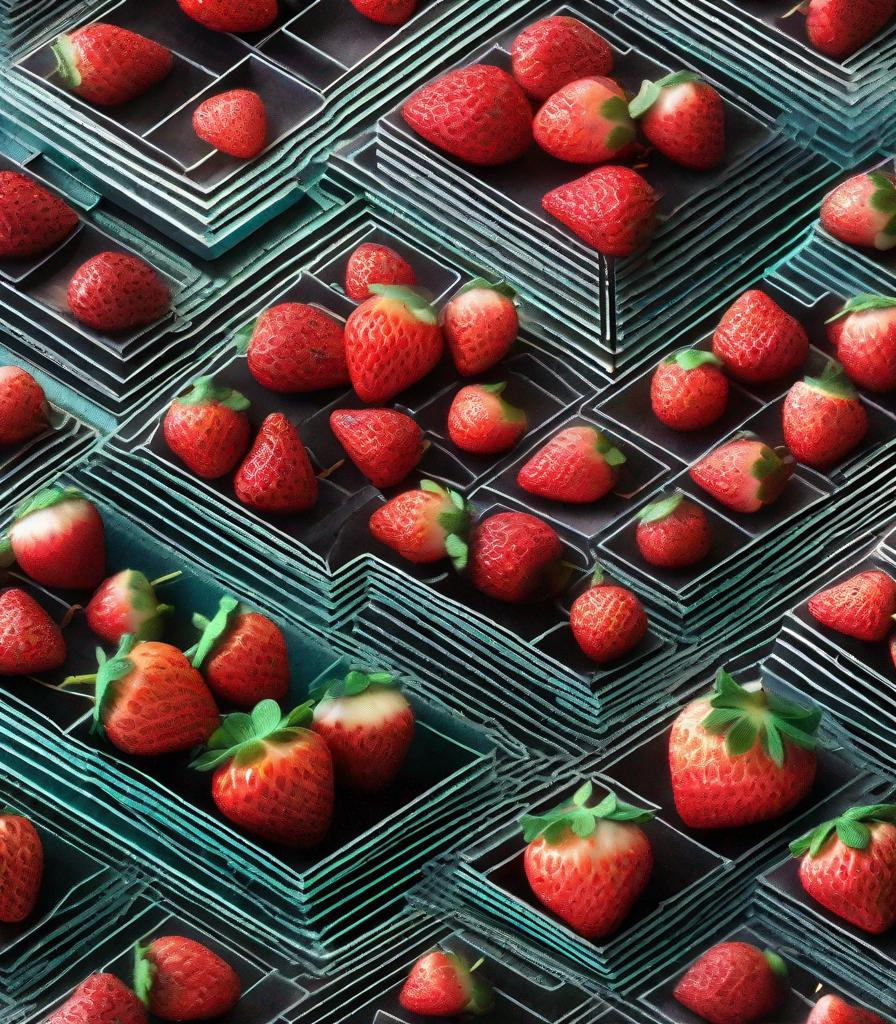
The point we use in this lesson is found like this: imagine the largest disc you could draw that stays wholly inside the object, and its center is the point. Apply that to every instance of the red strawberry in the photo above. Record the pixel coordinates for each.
(862, 211)
(32, 220)
(480, 324)
(555, 51)
(578, 465)
(744, 474)
(740, 756)
(480, 421)
(30, 641)
(234, 122)
(386, 12)
(372, 263)
(277, 475)
(424, 525)
(384, 444)
(824, 419)
(733, 983)
(861, 607)
(208, 428)
(688, 391)
(864, 334)
(673, 533)
(477, 114)
(231, 15)
(242, 655)
(179, 979)
(108, 65)
(391, 341)
(23, 406)
(21, 867)
(832, 1009)
(757, 341)
(840, 27)
(588, 865)
(101, 999)
(368, 725)
(115, 291)
(516, 557)
(127, 603)
(612, 209)
(57, 538)
(607, 620)
(272, 776)
(585, 122)
(443, 985)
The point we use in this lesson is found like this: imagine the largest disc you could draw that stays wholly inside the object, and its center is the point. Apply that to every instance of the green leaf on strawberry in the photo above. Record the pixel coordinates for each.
(693, 358)
(353, 683)
(205, 391)
(241, 737)
(501, 287)
(576, 816)
(212, 630)
(851, 828)
(650, 91)
(415, 299)
(861, 303)
(108, 673)
(661, 509)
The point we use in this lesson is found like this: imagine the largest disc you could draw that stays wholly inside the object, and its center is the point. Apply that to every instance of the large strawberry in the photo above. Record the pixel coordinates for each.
(424, 525)
(443, 984)
(840, 27)
(482, 422)
(372, 263)
(208, 429)
(757, 341)
(684, 117)
(234, 122)
(744, 474)
(688, 390)
(276, 474)
(384, 444)
(231, 15)
(862, 211)
(555, 51)
(823, 418)
(23, 406)
(673, 533)
(741, 756)
(21, 867)
(179, 979)
(585, 122)
(30, 641)
(480, 324)
(607, 620)
(127, 603)
(862, 606)
(386, 12)
(577, 465)
(32, 220)
(517, 558)
(101, 999)
(734, 983)
(831, 1009)
(115, 291)
(864, 335)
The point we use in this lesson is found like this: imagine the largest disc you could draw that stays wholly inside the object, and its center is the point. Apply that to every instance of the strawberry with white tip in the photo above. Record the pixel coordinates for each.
(684, 118)
(862, 211)
(480, 324)
(127, 603)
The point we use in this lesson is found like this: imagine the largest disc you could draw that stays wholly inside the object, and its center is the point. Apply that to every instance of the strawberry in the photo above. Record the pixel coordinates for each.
(179, 979)
(127, 603)
(684, 118)
(21, 867)
(32, 220)
(115, 291)
(368, 725)
(57, 538)
(272, 776)
(23, 406)
(208, 429)
(861, 607)
(480, 323)
(107, 65)
(277, 475)
(234, 122)
(607, 620)
(840, 27)
(231, 15)
(101, 999)
(588, 865)
(386, 12)
(740, 756)
(242, 655)
(612, 209)
(757, 341)
(477, 114)
(688, 391)
(585, 122)
(734, 983)
(555, 51)
(824, 419)
(831, 1009)
(425, 525)
(443, 985)
(384, 444)
(577, 465)
(372, 263)
(848, 865)
(516, 557)
(744, 474)
(391, 341)
(480, 421)
(862, 211)
(30, 641)
(864, 335)
(673, 533)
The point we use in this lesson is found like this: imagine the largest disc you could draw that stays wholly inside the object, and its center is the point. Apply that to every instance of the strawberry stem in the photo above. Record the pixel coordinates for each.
(166, 579)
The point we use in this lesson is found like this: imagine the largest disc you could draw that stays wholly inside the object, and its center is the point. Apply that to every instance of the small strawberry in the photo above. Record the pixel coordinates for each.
(477, 114)
(840, 27)
(386, 12)
(824, 419)
(425, 525)
(862, 211)
(127, 603)
(757, 341)
(372, 263)
(673, 533)
(115, 291)
(179, 979)
(688, 391)
(734, 983)
(585, 122)
(741, 756)
(21, 867)
(861, 607)
(517, 558)
(607, 620)
(480, 421)
(744, 474)
(578, 465)
(208, 429)
(588, 865)
(831, 1009)
(864, 335)
(231, 15)
(480, 324)
(555, 51)
(384, 444)
(234, 122)
(443, 985)
(30, 641)
(101, 999)
(23, 406)
(276, 475)
(612, 209)
(32, 220)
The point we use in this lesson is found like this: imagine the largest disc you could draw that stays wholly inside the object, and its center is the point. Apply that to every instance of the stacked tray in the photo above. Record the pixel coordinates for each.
(23, 22)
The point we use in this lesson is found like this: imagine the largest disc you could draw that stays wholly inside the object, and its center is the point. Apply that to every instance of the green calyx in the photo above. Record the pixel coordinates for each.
(770, 465)
(597, 576)
(779, 968)
(144, 973)
(142, 599)
(609, 452)
(659, 510)
(66, 61)
(851, 828)
(883, 198)
(577, 817)
(509, 413)
(352, 684)
(833, 382)
(109, 672)
(212, 630)
(241, 737)
(46, 498)
(414, 299)
(692, 358)
(742, 716)
(243, 337)
(862, 303)
(455, 521)
(650, 92)
(478, 283)
(615, 110)
(204, 391)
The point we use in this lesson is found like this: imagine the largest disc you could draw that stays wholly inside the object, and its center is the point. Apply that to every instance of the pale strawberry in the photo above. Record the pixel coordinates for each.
(757, 341)
(276, 475)
(688, 390)
(116, 291)
(744, 474)
(424, 525)
(684, 118)
(480, 324)
(127, 603)
(23, 406)
(734, 983)
(384, 444)
(179, 979)
(585, 122)
(607, 620)
(557, 50)
(840, 27)
(21, 867)
(208, 429)
(30, 641)
(372, 263)
(443, 984)
(482, 422)
(861, 607)
(517, 558)
(234, 122)
(100, 999)
(673, 533)
(578, 465)
(823, 418)
(864, 335)
(862, 211)
(32, 220)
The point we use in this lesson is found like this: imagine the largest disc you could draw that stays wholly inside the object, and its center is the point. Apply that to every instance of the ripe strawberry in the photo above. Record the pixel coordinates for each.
(272, 776)
(391, 341)
(757, 341)
(108, 65)
(733, 983)
(21, 867)
(368, 725)
(242, 655)
(578, 465)
(861, 607)
(101, 999)
(612, 209)
(231, 15)
(840, 27)
(849, 866)
(740, 756)
(23, 406)
(443, 985)
(832, 1009)
(30, 641)
(32, 220)
(208, 429)
(688, 391)
(673, 533)
(607, 620)
(277, 475)
(179, 979)
(57, 538)
(424, 525)
(585, 122)
(864, 335)
(480, 323)
(127, 603)
(372, 263)
(823, 418)
(115, 291)
(516, 557)
(862, 211)
(477, 114)
(555, 51)
(234, 122)
(480, 421)
(384, 444)
(588, 865)
(386, 12)
(744, 474)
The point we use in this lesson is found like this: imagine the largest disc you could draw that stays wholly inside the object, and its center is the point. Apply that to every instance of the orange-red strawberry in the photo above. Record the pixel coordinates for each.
(585, 122)
(101, 999)
(741, 756)
(231, 15)
(578, 465)
(588, 865)
(480, 421)
(744, 474)
(478, 114)
(684, 118)
(757, 341)
(555, 51)
(607, 620)
(30, 641)
(840, 27)
(688, 391)
(127, 603)
(179, 979)
(276, 475)
(234, 122)
(443, 984)
(734, 983)
(384, 444)
(21, 867)
(372, 263)
(823, 418)
(424, 525)
(861, 607)
(831, 1009)
(23, 406)
(115, 291)
(517, 558)
(480, 323)
(864, 335)
(32, 220)
(862, 211)
(673, 533)
(386, 12)
(208, 429)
